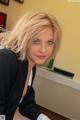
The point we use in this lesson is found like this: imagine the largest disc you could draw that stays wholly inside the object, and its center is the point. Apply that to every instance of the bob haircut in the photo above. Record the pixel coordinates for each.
(28, 27)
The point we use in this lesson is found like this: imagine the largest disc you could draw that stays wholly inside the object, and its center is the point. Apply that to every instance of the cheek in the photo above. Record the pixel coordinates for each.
(50, 51)
(32, 51)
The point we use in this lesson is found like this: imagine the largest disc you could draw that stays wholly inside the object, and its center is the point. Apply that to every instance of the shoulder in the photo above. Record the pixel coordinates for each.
(8, 59)
(8, 65)
(8, 55)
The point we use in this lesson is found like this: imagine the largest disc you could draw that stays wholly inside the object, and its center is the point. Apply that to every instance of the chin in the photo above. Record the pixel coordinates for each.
(40, 62)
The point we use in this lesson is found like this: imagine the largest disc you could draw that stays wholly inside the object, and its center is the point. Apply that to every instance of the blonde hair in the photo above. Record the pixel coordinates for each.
(27, 28)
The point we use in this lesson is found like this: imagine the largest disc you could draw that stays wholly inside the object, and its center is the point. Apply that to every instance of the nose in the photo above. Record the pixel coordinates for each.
(43, 48)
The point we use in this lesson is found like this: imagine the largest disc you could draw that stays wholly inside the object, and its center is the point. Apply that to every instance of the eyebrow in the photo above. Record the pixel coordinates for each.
(47, 40)
(52, 40)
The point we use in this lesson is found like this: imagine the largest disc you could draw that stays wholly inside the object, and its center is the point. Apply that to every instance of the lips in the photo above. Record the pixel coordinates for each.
(41, 56)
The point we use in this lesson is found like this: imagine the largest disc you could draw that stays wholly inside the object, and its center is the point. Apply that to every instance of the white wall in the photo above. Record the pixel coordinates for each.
(58, 97)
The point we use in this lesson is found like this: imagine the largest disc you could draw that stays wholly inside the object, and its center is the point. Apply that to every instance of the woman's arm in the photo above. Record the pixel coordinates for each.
(5, 72)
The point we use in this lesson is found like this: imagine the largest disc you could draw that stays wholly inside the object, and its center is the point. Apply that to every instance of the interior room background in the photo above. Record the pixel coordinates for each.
(68, 14)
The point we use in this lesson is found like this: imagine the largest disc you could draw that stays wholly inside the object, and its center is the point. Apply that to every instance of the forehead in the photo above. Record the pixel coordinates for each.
(46, 33)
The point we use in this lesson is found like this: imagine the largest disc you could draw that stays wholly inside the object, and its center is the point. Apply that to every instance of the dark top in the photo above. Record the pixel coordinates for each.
(12, 80)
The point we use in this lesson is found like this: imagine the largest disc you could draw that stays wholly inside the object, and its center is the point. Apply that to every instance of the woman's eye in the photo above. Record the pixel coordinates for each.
(36, 42)
(51, 42)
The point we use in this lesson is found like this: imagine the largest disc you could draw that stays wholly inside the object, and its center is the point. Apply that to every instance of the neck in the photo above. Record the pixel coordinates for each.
(31, 64)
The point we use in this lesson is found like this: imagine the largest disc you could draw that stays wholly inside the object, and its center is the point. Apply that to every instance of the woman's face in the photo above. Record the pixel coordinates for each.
(41, 49)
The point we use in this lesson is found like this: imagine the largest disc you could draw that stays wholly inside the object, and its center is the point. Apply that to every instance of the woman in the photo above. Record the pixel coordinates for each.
(33, 41)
